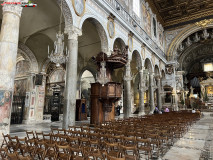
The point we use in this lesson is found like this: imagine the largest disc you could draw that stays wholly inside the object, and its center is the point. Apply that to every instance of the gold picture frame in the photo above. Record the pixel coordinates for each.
(109, 28)
(75, 9)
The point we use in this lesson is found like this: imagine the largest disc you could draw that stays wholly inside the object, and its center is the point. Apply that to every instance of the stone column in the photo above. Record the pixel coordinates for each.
(40, 98)
(151, 86)
(71, 77)
(30, 101)
(127, 90)
(159, 98)
(8, 52)
(141, 93)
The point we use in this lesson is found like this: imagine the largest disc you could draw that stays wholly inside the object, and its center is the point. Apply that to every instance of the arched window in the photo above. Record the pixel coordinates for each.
(136, 7)
(154, 27)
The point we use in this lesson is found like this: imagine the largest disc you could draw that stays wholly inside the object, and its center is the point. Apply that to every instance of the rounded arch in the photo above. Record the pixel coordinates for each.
(90, 69)
(157, 70)
(102, 30)
(30, 56)
(148, 65)
(119, 42)
(68, 12)
(45, 65)
(163, 74)
(138, 59)
(183, 35)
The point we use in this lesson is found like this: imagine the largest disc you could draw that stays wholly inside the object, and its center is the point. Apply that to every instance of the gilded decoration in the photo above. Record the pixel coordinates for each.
(171, 12)
(204, 23)
(111, 26)
(79, 7)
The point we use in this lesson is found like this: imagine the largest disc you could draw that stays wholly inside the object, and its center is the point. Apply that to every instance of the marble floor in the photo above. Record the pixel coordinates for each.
(196, 144)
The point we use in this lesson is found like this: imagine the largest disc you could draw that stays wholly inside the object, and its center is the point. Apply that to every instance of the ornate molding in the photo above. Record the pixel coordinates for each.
(73, 32)
(66, 13)
(30, 55)
(12, 8)
(204, 23)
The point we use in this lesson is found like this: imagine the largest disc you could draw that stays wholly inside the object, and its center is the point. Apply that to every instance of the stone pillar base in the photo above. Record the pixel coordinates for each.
(32, 121)
(141, 113)
(61, 117)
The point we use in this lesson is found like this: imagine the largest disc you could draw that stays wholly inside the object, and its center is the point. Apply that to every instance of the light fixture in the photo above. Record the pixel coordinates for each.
(102, 75)
(57, 56)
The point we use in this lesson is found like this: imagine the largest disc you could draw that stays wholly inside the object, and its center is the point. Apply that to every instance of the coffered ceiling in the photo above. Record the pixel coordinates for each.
(176, 12)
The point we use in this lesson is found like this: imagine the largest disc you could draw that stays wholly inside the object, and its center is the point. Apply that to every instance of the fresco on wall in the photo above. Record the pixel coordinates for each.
(22, 67)
(20, 87)
(57, 76)
(5, 101)
(160, 37)
(147, 20)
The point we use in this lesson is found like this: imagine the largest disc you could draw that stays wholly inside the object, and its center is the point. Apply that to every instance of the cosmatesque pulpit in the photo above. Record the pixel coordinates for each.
(104, 95)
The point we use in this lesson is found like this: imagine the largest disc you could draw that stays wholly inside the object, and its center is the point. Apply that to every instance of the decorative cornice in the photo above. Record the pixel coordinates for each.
(183, 19)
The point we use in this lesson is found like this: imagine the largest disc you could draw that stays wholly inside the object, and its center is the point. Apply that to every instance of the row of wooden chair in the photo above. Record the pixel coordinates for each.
(130, 138)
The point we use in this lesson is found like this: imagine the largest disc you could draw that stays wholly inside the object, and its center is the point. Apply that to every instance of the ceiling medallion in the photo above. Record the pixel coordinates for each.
(204, 23)
(79, 7)
(111, 26)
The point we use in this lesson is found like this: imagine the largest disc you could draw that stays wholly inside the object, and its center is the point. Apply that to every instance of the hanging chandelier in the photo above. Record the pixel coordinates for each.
(102, 75)
(57, 56)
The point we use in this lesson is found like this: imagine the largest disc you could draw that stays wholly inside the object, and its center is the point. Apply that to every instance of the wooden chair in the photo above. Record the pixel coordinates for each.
(114, 158)
(144, 147)
(39, 148)
(112, 149)
(63, 152)
(3, 153)
(50, 151)
(129, 152)
(39, 136)
(6, 142)
(30, 136)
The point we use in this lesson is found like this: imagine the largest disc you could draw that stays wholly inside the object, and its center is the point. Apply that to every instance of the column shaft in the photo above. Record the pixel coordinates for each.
(127, 91)
(71, 79)
(141, 93)
(152, 106)
(8, 52)
(159, 94)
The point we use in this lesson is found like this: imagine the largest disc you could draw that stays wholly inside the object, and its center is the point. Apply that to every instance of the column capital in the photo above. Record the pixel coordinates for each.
(13, 6)
(73, 32)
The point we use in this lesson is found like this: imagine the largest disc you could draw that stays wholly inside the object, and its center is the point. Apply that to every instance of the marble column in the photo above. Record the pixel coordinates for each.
(8, 51)
(159, 98)
(151, 89)
(71, 77)
(127, 90)
(141, 93)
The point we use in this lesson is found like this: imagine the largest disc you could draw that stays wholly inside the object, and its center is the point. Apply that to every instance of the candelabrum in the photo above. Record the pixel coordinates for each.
(57, 56)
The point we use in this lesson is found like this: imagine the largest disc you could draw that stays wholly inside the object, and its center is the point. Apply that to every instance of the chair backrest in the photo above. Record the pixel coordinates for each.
(3, 152)
(39, 135)
(30, 135)
(6, 140)
(13, 156)
(114, 158)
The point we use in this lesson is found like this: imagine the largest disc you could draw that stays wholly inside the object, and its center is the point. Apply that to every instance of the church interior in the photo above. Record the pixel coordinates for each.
(106, 79)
